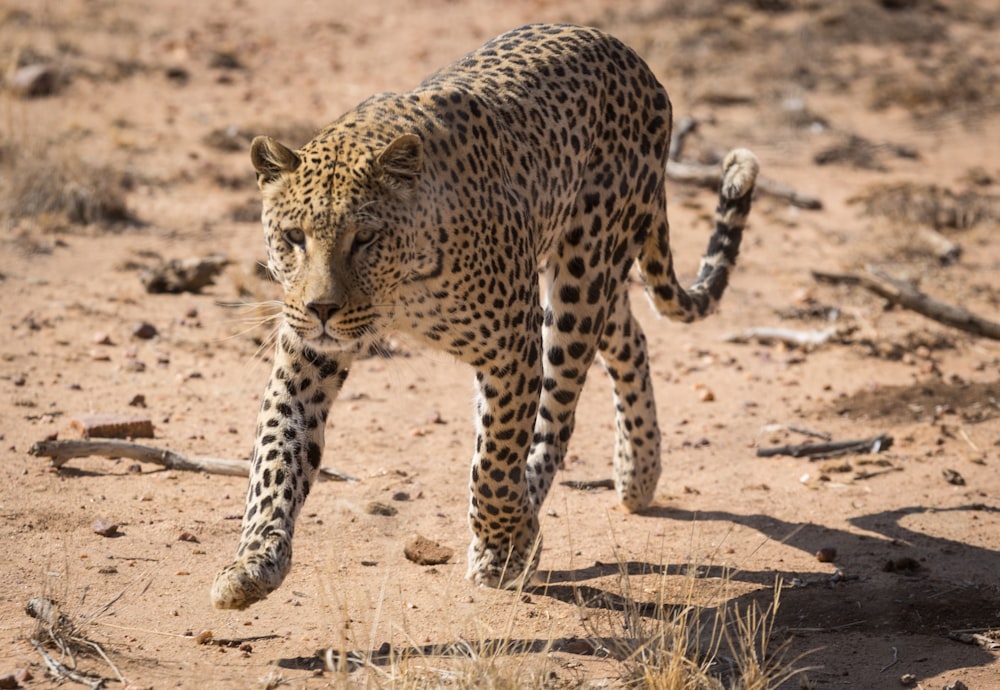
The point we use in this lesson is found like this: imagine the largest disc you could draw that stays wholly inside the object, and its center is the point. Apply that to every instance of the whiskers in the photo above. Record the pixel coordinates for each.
(254, 316)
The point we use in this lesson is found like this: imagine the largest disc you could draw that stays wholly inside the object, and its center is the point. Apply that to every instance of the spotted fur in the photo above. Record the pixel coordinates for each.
(434, 212)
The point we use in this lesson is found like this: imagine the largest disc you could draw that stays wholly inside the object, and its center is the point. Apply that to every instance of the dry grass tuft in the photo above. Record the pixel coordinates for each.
(58, 186)
(930, 205)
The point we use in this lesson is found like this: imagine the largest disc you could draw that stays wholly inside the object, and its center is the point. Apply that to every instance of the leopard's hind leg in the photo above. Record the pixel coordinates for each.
(637, 436)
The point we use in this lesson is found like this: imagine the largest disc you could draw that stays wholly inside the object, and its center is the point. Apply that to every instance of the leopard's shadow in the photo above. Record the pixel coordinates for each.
(939, 603)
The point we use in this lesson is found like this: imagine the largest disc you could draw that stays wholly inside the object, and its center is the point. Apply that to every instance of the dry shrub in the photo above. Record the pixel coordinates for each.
(930, 205)
(692, 646)
(48, 182)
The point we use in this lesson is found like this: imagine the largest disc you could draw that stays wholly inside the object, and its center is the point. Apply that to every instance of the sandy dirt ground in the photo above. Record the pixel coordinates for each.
(124, 129)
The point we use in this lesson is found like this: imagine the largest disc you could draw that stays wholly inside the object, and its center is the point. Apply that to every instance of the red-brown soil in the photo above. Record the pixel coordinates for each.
(146, 120)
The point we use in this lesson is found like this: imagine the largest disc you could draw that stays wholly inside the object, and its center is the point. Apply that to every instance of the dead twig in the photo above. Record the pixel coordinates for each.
(788, 336)
(60, 452)
(711, 175)
(63, 672)
(686, 126)
(909, 297)
(60, 631)
(860, 476)
(820, 451)
(589, 485)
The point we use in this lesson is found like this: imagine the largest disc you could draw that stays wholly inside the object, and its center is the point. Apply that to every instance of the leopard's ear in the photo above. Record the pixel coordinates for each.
(271, 158)
(402, 160)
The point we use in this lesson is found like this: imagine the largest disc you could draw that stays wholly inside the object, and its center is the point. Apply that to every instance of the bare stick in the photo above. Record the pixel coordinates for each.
(710, 176)
(681, 131)
(909, 297)
(789, 336)
(61, 671)
(818, 451)
(61, 452)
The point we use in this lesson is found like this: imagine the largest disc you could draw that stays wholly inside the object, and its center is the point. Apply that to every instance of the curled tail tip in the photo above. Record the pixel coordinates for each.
(739, 173)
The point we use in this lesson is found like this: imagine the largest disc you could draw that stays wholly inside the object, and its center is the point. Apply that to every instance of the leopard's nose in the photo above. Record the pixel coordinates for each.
(323, 311)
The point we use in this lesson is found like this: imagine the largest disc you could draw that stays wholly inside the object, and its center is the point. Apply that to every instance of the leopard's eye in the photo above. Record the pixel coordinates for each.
(294, 237)
(362, 238)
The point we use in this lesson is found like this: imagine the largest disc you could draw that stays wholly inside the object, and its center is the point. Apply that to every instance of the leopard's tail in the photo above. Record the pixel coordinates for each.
(669, 298)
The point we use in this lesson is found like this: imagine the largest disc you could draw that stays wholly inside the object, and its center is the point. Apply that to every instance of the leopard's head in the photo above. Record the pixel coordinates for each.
(341, 219)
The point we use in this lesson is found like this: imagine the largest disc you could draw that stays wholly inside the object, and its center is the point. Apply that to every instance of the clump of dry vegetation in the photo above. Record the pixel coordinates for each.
(56, 186)
(930, 205)
(692, 646)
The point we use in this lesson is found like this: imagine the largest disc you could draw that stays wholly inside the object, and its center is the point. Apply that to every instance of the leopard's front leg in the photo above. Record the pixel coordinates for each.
(504, 522)
(284, 465)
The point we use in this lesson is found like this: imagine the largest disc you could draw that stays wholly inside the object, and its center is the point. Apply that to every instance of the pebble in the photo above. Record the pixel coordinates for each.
(827, 554)
(112, 426)
(32, 81)
(902, 565)
(106, 528)
(953, 477)
(204, 637)
(401, 496)
(379, 508)
(144, 330)
(423, 551)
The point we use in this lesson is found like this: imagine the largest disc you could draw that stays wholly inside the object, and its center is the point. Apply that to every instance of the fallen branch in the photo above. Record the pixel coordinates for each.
(61, 671)
(686, 126)
(788, 336)
(711, 175)
(909, 297)
(60, 452)
(589, 485)
(820, 451)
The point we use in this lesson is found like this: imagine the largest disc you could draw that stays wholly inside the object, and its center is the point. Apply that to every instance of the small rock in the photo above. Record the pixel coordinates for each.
(953, 477)
(187, 536)
(379, 508)
(183, 275)
(204, 637)
(105, 528)
(102, 339)
(138, 400)
(144, 330)
(706, 396)
(112, 426)
(401, 496)
(907, 679)
(902, 565)
(957, 685)
(8, 681)
(177, 74)
(827, 554)
(33, 81)
(423, 551)
(99, 356)
(19, 380)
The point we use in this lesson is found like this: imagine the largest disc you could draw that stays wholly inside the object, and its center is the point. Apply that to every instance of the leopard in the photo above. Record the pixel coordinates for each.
(495, 213)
